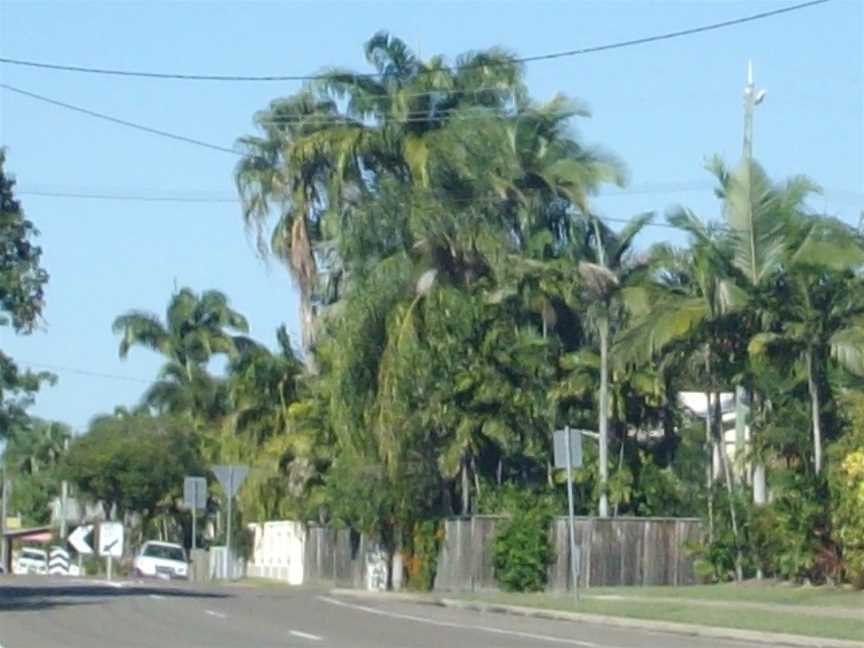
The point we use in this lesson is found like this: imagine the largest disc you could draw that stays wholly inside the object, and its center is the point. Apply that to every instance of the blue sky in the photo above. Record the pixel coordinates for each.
(662, 107)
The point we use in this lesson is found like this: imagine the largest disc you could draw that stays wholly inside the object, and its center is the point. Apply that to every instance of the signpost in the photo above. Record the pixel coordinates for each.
(195, 497)
(568, 455)
(231, 477)
(111, 542)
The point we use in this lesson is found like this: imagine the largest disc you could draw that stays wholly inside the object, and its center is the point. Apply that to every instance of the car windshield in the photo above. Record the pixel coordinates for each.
(166, 553)
(33, 554)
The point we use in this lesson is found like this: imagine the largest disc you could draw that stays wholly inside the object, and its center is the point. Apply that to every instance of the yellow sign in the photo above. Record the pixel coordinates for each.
(13, 523)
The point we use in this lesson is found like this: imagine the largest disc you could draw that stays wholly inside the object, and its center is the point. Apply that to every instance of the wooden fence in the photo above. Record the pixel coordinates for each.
(615, 551)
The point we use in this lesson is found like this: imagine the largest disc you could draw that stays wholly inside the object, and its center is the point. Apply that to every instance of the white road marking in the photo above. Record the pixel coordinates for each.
(157, 597)
(218, 615)
(113, 584)
(297, 633)
(465, 626)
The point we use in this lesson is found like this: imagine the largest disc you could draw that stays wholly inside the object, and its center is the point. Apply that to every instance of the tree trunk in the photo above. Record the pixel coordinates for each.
(760, 486)
(727, 472)
(815, 413)
(709, 446)
(499, 471)
(604, 417)
(620, 467)
(476, 478)
(307, 325)
(466, 489)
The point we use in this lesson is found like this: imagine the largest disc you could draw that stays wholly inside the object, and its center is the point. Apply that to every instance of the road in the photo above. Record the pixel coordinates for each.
(43, 612)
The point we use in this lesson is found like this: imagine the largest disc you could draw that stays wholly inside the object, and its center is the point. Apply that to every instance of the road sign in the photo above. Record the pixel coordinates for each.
(81, 538)
(560, 447)
(567, 444)
(231, 477)
(195, 493)
(58, 562)
(111, 539)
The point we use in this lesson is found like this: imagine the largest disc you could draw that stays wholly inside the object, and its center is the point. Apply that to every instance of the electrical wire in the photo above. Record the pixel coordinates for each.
(526, 59)
(121, 122)
(84, 372)
(651, 188)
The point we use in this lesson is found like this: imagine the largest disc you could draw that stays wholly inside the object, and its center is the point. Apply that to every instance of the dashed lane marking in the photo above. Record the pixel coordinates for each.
(218, 615)
(297, 633)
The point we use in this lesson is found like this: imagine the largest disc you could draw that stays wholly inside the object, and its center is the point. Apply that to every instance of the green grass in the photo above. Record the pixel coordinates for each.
(782, 620)
(750, 592)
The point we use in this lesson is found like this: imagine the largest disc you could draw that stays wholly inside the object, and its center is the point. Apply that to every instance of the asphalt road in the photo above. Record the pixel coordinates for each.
(43, 612)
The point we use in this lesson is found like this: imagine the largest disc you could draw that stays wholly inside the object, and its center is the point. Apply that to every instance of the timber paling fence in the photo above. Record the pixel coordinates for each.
(614, 551)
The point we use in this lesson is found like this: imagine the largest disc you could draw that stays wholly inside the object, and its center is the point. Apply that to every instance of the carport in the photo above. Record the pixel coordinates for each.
(41, 535)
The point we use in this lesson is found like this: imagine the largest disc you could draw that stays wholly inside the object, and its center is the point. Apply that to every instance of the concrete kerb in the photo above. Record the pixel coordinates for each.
(687, 629)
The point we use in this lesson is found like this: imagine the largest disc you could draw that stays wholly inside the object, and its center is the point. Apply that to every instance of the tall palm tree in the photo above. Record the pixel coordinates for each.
(822, 314)
(687, 304)
(196, 327)
(761, 217)
(604, 278)
(315, 160)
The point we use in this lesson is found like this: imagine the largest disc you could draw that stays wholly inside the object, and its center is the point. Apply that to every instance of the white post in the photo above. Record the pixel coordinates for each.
(574, 557)
(109, 566)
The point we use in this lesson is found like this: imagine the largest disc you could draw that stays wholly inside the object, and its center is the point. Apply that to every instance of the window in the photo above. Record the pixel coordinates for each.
(165, 552)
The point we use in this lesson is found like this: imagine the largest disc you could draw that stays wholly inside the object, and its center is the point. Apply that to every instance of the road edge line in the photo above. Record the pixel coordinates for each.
(668, 627)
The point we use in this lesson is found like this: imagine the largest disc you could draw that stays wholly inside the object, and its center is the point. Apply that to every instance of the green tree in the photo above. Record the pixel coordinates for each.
(115, 462)
(22, 283)
(196, 328)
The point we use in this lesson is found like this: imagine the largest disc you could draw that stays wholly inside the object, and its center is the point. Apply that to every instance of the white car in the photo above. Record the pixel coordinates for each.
(161, 560)
(31, 561)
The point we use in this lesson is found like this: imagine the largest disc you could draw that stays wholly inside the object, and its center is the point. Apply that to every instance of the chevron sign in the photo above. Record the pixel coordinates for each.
(58, 562)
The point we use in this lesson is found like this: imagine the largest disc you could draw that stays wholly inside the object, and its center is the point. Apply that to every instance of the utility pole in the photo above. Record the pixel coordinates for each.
(753, 96)
(64, 495)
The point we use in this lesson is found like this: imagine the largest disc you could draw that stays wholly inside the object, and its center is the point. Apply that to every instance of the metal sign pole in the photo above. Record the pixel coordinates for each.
(228, 529)
(194, 514)
(574, 571)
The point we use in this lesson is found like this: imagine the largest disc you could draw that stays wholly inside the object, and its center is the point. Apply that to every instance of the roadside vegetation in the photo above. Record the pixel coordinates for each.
(460, 299)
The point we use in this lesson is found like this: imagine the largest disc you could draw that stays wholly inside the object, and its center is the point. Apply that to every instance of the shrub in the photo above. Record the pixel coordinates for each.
(522, 550)
(847, 485)
(421, 561)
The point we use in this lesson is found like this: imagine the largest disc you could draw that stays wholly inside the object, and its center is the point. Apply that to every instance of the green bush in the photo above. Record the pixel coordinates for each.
(522, 551)
(846, 479)
(421, 561)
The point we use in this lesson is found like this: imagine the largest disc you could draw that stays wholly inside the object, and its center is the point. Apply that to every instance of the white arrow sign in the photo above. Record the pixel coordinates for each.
(78, 539)
(111, 539)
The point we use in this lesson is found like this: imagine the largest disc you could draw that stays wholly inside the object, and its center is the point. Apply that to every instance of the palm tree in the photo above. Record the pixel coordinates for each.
(688, 304)
(609, 272)
(761, 217)
(195, 329)
(821, 314)
(315, 161)
(37, 447)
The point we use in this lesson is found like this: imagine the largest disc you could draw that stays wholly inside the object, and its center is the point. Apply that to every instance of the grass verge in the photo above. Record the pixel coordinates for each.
(783, 620)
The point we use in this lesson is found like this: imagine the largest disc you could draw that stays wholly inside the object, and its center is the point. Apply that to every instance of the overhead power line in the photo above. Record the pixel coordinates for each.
(84, 372)
(116, 120)
(143, 196)
(525, 59)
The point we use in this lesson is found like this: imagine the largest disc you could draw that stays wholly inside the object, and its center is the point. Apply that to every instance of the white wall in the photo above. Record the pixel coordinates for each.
(278, 551)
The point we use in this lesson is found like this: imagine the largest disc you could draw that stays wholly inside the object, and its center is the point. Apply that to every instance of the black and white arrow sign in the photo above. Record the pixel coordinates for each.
(80, 539)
